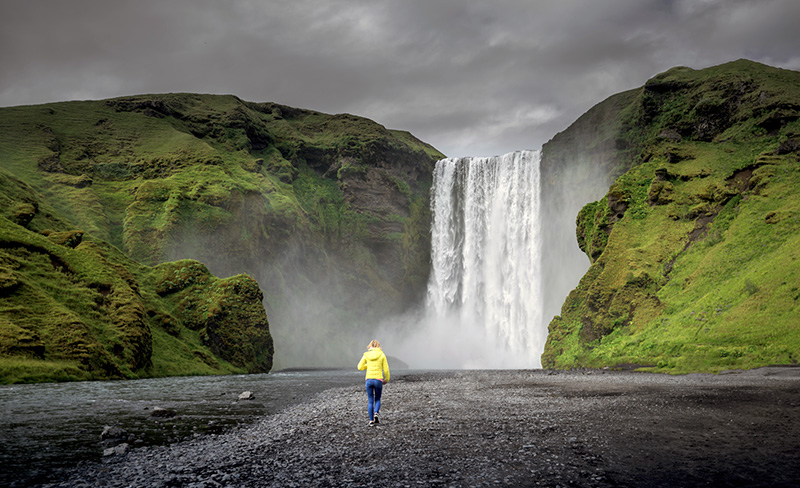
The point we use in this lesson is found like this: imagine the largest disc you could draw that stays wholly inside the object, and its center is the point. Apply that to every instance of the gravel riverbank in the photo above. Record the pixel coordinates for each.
(500, 428)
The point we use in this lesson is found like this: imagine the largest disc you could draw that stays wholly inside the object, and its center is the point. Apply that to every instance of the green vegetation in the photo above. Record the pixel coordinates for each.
(694, 249)
(74, 309)
(284, 194)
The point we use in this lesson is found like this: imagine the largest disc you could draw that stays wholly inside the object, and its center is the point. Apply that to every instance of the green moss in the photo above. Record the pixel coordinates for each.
(237, 185)
(82, 310)
(179, 275)
(350, 169)
(24, 370)
(702, 278)
(323, 201)
(186, 355)
(593, 228)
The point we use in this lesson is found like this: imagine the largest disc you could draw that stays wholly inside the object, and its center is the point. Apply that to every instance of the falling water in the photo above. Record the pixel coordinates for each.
(486, 262)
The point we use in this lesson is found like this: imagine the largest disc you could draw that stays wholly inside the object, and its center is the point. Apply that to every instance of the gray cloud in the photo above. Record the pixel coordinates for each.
(469, 77)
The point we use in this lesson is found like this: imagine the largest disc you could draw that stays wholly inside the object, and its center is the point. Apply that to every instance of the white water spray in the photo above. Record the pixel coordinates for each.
(484, 302)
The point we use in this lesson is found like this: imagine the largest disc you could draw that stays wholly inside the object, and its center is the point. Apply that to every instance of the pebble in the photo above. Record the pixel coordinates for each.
(493, 428)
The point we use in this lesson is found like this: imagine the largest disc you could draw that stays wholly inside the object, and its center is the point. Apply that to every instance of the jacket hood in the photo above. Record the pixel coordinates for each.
(373, 353)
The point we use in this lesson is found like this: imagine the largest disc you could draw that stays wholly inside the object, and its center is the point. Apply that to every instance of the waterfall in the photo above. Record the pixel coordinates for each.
(485, 282)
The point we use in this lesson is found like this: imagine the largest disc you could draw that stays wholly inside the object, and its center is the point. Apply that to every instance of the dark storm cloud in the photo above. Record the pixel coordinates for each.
(470, 77)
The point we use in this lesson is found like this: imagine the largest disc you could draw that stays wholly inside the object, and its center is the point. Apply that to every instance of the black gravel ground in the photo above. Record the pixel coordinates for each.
(500, 428)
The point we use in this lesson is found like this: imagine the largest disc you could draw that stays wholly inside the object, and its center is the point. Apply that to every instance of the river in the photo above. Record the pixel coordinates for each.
(47, 427)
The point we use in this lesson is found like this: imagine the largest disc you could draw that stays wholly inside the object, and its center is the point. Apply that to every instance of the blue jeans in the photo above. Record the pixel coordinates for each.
(374, 390)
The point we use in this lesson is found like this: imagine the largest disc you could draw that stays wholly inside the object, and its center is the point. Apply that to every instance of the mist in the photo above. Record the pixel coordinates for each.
(317, 307)
(426, 341)
(504, 257)
(476, 320)
(563, 262)
(320, 315)
(456, 336)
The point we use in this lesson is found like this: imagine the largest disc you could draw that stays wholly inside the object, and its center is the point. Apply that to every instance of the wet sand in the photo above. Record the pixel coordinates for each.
(501, 428)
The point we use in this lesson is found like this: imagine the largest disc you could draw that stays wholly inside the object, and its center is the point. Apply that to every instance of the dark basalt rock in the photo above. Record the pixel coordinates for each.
(111, 433)
(789, 146)
(163, 413)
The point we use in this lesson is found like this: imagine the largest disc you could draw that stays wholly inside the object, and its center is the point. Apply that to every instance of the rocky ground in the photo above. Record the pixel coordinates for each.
(500, 428)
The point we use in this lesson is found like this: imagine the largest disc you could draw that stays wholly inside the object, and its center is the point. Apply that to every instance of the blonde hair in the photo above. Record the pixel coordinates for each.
(374, 344)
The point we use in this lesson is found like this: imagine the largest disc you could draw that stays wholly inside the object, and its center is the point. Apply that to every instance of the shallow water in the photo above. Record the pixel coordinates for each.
(45, 427)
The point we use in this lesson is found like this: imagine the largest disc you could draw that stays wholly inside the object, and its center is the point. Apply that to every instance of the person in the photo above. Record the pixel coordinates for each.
(374, 361)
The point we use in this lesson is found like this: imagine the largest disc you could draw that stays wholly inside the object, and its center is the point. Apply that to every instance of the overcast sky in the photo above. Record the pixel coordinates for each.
(472, 78)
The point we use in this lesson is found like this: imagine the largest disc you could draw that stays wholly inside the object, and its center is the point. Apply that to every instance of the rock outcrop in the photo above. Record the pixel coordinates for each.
(78, 309)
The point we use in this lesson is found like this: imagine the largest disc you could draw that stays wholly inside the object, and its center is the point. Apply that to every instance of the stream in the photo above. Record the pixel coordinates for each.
(51, 426)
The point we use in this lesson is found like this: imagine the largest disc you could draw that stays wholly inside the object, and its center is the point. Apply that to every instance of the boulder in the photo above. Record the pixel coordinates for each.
(119, 450)
(111, 432)
(164, 413)
(246, 395)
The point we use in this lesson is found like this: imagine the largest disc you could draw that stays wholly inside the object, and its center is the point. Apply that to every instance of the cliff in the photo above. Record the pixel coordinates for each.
(694, 247)
(75, 308)
(328, 213)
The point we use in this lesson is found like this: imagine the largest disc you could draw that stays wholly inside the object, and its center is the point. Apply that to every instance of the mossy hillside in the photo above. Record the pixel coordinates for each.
(74, 308)
(301, 200)
(94, 156)
(693, 249)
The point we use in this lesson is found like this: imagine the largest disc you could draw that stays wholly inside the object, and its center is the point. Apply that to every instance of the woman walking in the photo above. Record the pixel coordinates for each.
(374, 361)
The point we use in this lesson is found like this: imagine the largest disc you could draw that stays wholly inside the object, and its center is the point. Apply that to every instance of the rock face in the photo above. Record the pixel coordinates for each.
(693, 247)
(577, 166)
(76, 308)
(328, 216)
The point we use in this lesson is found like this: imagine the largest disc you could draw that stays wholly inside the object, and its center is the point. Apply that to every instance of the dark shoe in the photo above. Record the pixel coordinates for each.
(376, 419)
(371, 423)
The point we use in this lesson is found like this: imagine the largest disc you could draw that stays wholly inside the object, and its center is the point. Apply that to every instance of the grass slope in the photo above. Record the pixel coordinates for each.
(694, 249)
(307, 203)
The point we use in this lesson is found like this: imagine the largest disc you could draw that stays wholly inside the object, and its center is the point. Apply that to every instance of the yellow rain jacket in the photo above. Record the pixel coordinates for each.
(374, 361)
